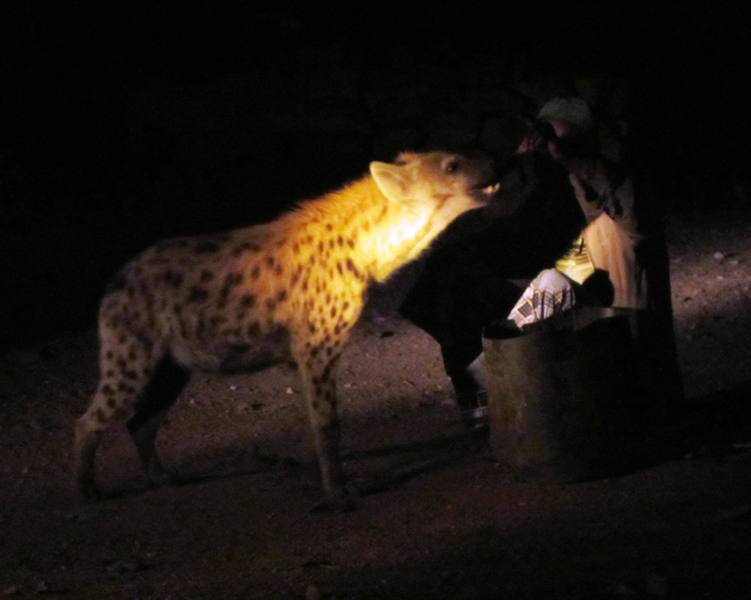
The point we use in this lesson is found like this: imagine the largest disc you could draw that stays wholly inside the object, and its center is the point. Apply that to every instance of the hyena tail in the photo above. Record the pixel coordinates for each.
(142, 385)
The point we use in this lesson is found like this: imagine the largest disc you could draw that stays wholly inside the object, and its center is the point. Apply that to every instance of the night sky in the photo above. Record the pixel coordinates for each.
(68, 75)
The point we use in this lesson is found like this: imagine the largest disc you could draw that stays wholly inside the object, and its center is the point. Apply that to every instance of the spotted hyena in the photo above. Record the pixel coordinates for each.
(289, 290)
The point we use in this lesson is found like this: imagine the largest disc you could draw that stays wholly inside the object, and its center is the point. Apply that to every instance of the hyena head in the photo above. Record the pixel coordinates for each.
(429, 190)
(439, 184)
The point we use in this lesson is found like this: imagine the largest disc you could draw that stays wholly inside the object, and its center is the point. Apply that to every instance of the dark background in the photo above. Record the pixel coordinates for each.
(125, 127)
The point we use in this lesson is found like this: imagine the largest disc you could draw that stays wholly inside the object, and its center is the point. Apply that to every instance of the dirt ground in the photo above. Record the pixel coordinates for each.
(441, 517)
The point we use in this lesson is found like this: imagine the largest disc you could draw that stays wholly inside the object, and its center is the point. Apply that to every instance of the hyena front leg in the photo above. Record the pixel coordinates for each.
(126, 364)
(318, 375)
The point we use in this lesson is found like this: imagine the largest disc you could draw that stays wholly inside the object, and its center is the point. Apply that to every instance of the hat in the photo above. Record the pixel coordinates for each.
(573, 111)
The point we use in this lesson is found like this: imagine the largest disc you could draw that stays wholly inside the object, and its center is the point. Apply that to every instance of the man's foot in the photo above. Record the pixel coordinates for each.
(476, 417)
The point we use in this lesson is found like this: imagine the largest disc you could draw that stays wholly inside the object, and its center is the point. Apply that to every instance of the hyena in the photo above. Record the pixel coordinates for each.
(289, 290)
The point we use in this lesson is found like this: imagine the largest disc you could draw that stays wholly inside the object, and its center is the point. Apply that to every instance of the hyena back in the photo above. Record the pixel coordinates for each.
(291, 289)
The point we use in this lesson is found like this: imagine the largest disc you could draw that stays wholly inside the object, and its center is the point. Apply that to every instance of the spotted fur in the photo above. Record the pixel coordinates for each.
(291, 289)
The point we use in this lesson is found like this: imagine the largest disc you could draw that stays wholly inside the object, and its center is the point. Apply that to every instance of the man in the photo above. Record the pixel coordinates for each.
(615, 256)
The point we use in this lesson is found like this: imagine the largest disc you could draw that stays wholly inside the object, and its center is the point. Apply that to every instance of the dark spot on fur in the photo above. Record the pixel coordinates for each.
(350, 242)
(281, 295)
(320, 246)
(327, 369)
(125, 388)
(215, 321)
(255, 272)
(270, 261)
(109, 355)
(107, 390)
(101, 416)
(353, 269)
(311, 328)
(278, 269)
(198, 294)
(230, 281)
(270, 304)
(339, 267)
(245, 247)
(111, 402)
(206, 276)
(253, 329)
(340, 241)
(329, 226)
(296, 248)
(172, 278)
(247, 300)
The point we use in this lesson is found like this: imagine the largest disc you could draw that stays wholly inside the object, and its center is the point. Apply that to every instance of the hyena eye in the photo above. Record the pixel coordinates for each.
(452, 166)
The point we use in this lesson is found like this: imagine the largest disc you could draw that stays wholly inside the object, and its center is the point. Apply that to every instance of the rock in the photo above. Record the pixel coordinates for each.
(312, 592)
(121, 567)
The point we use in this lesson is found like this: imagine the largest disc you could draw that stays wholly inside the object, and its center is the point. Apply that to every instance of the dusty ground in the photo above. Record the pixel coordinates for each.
(443, 519)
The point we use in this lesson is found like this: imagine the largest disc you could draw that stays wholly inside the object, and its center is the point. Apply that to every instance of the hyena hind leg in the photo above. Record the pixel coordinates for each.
(161, 393)
(113, 400)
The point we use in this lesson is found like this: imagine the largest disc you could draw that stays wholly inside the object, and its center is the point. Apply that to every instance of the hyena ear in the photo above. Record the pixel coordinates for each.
(390, 179)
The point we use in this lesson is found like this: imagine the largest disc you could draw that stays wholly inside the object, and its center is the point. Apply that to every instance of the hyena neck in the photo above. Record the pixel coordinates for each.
(386, 234)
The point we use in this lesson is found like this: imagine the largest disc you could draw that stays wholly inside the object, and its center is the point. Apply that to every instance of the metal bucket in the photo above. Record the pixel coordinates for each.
(558, 396)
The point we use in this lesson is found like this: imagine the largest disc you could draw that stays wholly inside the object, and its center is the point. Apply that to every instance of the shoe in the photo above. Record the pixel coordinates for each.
(476, 418)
